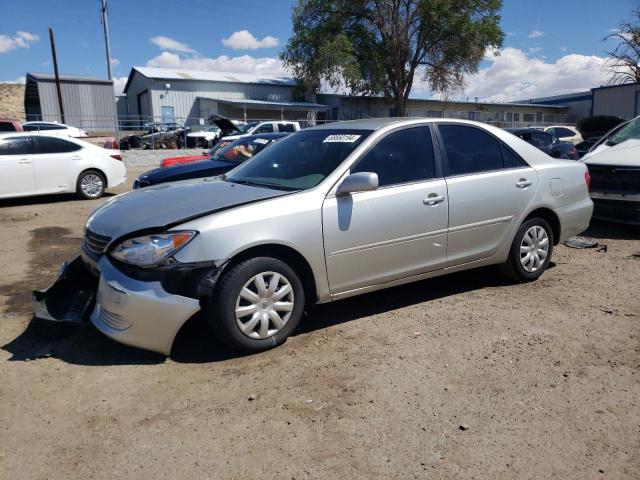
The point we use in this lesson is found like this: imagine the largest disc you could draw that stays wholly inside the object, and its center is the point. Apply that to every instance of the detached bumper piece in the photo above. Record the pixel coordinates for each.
(71, 298)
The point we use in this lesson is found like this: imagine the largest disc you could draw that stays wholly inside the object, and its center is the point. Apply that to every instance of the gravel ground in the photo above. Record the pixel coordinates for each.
(464, 376)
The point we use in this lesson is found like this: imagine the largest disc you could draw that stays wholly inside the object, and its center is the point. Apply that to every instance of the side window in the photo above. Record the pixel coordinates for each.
(54, 145)
(15, 146)
(470, 150)
(510, 159)
(563, 132)
(266, 128)
(401, 157)
(286, 127)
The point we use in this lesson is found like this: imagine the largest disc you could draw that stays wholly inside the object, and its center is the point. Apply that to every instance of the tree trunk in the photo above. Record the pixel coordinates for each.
(400, 105)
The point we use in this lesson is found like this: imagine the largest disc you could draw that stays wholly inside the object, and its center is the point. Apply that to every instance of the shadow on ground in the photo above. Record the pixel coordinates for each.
(44, 199)
(84, 345)
(602, 230)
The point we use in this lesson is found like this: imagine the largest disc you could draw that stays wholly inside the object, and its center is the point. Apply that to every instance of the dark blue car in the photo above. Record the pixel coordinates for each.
(222, 160)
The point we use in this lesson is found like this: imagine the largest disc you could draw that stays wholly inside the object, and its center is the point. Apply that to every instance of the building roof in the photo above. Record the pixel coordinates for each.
(202, 75)
(246, 102)
(50, 77)
(436, 101)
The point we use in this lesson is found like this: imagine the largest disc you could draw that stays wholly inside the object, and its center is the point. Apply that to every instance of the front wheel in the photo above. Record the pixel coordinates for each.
(90, 185)
(257, 305)
(530, 252)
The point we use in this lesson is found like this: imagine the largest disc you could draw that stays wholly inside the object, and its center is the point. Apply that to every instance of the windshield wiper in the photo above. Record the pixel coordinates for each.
(262, 185)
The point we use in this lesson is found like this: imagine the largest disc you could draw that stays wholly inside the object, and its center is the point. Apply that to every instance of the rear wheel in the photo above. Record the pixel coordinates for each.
(90, 185)
(257, 305)
(530, 252)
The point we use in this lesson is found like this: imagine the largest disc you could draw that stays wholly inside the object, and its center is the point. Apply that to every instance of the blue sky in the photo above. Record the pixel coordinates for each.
(550, 45)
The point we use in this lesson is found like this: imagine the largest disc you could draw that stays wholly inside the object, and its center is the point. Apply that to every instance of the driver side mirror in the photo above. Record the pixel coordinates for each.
(359, 182)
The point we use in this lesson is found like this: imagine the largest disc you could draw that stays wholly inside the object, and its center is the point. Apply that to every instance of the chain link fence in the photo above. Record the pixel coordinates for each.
(149, 132)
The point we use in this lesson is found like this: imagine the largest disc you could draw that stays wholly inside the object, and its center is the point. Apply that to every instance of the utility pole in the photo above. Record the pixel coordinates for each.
(105, 23)
(57, 77)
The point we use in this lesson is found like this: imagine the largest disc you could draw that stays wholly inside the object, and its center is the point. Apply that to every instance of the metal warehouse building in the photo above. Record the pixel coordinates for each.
(620, 100)
(186, 96)
(88, 102)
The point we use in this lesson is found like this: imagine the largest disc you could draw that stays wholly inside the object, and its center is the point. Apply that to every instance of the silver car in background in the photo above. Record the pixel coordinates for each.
(327, 213)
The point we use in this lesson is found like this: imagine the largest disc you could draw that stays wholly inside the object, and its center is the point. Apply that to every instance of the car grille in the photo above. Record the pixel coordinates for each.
(615, 179)
(94, 243)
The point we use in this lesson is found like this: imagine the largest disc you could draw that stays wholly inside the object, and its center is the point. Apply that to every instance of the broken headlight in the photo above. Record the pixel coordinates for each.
(151, 250)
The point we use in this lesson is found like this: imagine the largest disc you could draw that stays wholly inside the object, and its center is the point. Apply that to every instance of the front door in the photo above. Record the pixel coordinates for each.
(490, 188)
(393, 232)
(16, 167)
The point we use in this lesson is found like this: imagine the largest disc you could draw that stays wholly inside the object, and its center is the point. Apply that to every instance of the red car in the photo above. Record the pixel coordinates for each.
(169, 162)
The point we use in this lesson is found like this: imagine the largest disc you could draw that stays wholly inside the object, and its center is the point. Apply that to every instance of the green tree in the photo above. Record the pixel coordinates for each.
(376, 47)
(624, 60)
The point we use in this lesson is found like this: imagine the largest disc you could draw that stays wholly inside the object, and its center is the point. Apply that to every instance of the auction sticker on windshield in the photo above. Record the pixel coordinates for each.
(262, 141)
(344, 138)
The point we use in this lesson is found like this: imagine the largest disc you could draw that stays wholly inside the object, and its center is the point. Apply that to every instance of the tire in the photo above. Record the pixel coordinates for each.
(90, 185)
(522, 268)
(259, 309)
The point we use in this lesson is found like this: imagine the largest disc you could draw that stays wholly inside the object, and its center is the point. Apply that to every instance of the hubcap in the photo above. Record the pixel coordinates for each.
(534, 248)
(91, 185)
(264, 305)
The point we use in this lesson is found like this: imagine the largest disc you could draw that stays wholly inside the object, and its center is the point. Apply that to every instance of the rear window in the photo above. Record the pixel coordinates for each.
(45, 145)
(286, 127)
(7, 127)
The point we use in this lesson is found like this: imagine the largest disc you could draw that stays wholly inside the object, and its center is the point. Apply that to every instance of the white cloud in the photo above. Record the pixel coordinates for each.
(19, 40)
(167, 43)
(115, 62)
(535, 49)
(118, 84)
(223, 63)
(19, 81)
(536, 34)
(244, 40)
(514, 75)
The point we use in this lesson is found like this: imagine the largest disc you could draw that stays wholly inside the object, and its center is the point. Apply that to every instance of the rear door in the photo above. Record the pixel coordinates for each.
(490, 187)
(16, 167)
(55, 162)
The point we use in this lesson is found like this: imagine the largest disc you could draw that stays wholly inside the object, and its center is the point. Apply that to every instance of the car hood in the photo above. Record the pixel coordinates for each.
(224, 124)
(169, 204)
(626, 153)
(159, 174)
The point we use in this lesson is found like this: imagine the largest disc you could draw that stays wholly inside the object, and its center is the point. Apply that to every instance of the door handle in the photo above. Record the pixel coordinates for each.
(523, 183)
(76, 157)
(24, 161)
(433, 199)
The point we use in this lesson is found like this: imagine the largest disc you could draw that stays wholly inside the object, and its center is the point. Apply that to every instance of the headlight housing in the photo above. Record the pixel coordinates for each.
(151, 250)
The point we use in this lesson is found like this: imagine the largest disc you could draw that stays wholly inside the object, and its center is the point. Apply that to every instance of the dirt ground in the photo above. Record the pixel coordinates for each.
(546, 376)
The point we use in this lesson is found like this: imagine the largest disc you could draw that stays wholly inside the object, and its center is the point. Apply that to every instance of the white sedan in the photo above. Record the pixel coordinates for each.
(44, 164)
(54, 128)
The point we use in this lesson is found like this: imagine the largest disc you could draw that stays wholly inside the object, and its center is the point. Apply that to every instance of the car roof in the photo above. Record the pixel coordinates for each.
(45, 123)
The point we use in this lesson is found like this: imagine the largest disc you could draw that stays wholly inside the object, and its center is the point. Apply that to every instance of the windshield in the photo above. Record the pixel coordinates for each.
(240, 150)
(630, 130)
(300, 161)
(246, 127)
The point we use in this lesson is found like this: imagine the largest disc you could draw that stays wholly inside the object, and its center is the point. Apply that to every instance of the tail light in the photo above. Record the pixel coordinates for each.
(116, 157)
(587, 179)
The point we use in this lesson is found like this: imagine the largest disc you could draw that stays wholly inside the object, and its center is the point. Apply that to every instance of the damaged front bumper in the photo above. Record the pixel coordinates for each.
(140, 313)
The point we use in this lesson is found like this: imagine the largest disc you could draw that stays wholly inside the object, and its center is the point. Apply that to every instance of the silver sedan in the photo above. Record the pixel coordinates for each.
(327, 213)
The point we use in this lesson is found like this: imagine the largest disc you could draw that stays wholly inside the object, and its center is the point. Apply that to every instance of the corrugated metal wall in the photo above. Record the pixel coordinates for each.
(89, 106)
(182, 94)
(619, 100)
